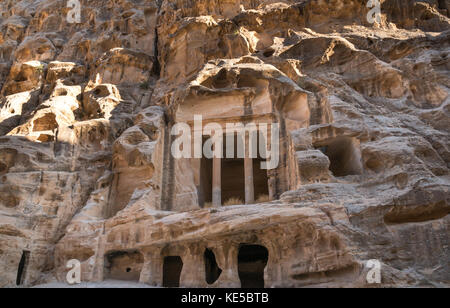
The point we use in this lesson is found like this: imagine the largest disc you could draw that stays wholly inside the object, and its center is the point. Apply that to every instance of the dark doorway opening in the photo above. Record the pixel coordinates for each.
(233, 172)
(172, 271)
(212, 270)
(23, 264)
(252, 260)
(124, 265)
(233, 181)
(344, 154)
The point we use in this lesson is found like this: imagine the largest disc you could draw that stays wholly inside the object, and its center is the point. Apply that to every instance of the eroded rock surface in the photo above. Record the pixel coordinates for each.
(86, 171)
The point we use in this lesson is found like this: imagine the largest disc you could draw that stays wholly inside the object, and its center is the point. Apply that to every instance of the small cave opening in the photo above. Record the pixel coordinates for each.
(101, 91)
(252, 260)
(222, 79)
(268, 52)
(172, 267)
(212, 269)
(22, 270)
(344, 154)
(124, 265)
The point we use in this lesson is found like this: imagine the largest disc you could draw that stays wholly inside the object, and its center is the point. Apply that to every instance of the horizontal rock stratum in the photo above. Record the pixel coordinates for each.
(87, 110)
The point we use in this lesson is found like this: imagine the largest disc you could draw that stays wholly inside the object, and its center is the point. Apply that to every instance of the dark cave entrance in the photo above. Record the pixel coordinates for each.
(22, 270)
(212, 270)
(344, 154)
(252, 260)
(172, 271)
(124, 265)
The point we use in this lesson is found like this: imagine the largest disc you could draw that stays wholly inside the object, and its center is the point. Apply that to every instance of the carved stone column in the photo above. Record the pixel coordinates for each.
(217, 182)
(248, 166)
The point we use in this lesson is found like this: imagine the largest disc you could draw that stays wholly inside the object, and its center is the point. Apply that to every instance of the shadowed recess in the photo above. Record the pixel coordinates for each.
(212, 270)
(172, 271)
(252, 260)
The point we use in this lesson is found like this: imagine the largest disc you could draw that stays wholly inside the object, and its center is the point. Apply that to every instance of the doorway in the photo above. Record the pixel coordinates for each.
(233, 181)
(252, 260)
(172, 271)
(212, 270)
(124, 265)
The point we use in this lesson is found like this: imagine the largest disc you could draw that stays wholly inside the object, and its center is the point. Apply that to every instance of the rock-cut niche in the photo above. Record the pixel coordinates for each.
(172, 268)
(252, 260)
(344, 154)
(124, 265)
(212, 270)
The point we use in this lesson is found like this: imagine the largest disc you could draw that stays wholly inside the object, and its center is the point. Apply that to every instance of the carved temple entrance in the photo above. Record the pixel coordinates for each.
(234, 179)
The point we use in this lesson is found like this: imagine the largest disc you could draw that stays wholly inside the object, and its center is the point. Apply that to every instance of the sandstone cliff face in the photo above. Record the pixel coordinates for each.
(86, 112)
